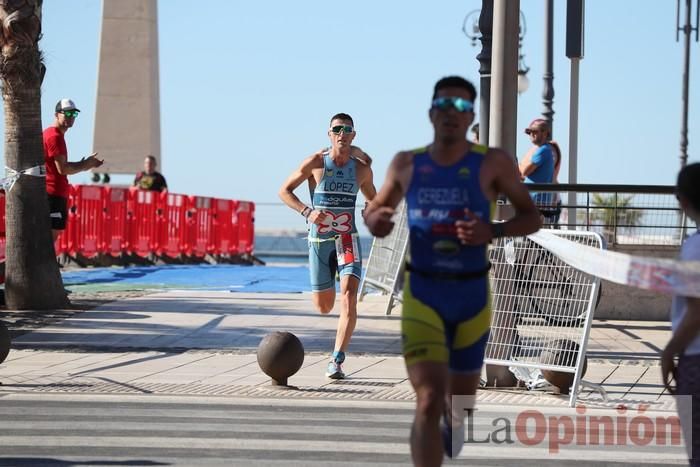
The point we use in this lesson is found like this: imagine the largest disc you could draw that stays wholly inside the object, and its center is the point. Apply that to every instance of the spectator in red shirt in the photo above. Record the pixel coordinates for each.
(149, 178)
(57, 166)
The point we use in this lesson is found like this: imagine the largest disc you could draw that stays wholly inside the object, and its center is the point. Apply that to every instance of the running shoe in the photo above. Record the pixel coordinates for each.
(451, 440)
(334, 370)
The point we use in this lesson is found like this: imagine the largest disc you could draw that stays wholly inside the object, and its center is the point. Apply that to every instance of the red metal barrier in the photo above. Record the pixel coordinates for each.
(114, 220)
(141, 215)
(87, 219)
(246, 231)
(224, 229)
(199, 226)
(114, 232)
(66, 240)
(235, 229)
(172, 226)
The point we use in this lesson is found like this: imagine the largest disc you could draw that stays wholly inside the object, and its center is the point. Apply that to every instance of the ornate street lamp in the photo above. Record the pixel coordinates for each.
(470, 28)
(523, 81)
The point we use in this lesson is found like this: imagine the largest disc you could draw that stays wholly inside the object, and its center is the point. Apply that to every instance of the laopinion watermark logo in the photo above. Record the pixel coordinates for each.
(544, 432)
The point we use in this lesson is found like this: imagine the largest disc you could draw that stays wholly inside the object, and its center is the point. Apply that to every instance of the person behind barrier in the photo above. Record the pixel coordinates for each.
(556, 153)
(450, 187)
(552, 215)
(149, 178)
(680, 359)
(334, 178)
(537, 166)
(57, 166)
(475, 133)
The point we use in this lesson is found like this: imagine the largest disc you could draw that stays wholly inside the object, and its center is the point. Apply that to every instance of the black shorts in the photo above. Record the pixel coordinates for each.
(58, 211)
(551, 214)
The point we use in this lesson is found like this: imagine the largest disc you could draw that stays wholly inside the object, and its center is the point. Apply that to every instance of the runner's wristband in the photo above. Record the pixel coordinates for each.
(306, 212)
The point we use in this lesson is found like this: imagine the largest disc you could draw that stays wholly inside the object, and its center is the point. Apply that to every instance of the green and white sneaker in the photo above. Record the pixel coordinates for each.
(334, 369)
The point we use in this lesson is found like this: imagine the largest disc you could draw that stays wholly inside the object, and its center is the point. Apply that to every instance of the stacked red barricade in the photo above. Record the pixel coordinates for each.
(119, 222)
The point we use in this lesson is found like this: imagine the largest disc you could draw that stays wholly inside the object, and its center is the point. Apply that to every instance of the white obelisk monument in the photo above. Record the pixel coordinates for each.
(127, 114)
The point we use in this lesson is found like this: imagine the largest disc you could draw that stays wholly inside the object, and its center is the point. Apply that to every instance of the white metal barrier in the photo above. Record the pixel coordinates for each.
(542, 307)
(384, 271)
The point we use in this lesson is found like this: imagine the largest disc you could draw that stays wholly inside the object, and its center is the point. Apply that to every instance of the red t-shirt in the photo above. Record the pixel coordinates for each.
(55, 145)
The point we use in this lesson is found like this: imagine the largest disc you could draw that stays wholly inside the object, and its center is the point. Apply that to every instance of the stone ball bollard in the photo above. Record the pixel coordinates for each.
(564, 353)
(498, 376)
(280, 355)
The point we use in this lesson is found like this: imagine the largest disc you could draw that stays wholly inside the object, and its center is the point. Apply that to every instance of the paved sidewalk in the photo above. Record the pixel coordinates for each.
(193, 342)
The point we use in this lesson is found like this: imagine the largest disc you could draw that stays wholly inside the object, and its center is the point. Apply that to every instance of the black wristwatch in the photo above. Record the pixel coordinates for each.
(498, 229)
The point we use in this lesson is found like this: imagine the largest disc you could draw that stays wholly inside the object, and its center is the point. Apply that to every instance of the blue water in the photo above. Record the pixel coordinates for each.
(235, 278)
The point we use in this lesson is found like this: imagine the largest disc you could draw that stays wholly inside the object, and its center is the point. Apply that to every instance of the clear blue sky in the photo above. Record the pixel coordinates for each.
(247, 88)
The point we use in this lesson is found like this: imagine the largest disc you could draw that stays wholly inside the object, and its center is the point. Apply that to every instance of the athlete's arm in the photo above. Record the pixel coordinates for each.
(299, 176)
(527, 218)
(381, 209)
(506, 180)
(360, 156)
(687, 331)
(366, 180)
(367, 184)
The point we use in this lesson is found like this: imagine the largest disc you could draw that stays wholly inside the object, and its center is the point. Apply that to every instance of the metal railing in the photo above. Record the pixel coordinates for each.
(622, 214)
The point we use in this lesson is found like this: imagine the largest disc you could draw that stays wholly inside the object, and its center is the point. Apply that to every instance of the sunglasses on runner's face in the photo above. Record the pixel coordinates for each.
(457, 103)
(70, 113)
(344, 128)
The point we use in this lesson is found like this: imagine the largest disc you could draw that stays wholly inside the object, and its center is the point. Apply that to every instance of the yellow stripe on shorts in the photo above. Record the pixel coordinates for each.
(422, 330)
(469, 332)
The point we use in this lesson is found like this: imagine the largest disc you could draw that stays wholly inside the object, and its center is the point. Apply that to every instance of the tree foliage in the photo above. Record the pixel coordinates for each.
(615, 211)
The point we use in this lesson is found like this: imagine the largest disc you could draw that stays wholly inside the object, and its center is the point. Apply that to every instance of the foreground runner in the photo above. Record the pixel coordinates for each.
(450, 187)
(684, 346)
(334, 178)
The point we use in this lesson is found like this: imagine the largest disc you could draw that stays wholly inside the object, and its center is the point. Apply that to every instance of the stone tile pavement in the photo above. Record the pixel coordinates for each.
(194, 342)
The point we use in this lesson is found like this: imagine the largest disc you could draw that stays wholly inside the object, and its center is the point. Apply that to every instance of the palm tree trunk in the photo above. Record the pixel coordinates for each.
(32, 280)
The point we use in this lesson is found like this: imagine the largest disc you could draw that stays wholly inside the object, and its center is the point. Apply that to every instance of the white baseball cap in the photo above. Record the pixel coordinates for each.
(66, 104)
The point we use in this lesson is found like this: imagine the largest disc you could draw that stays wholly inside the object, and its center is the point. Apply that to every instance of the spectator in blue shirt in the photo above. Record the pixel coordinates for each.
(537, 166)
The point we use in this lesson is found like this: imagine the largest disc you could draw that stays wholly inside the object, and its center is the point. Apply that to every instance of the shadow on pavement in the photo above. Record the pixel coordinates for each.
(48, 462)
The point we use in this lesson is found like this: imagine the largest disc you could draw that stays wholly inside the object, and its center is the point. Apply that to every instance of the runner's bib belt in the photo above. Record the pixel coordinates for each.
(450, 276)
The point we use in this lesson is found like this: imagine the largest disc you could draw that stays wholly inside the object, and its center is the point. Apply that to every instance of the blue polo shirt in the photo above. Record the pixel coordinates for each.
(543, 158)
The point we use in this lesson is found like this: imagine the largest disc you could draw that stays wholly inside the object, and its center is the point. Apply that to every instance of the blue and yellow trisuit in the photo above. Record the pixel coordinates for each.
(446, 307)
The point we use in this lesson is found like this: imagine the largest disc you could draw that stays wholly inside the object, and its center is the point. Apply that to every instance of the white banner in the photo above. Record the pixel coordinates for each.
(12, 175)
(656, 274)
